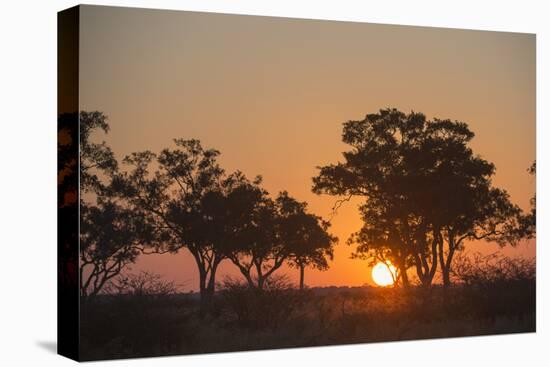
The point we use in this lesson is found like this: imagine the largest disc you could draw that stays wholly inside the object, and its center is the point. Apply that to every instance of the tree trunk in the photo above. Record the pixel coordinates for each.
(245, 271)
(261, 277)
(446, 268)
(205, 289)
(447, 263)
(302, 269)
(420, 271)
(424, 269)
(404, 276)
(261, 282)
(435, 242)
(446, 277)
(212, 279)
(249, 279)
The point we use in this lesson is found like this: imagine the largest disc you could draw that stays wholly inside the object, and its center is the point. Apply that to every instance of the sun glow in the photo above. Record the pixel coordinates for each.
(384, 274)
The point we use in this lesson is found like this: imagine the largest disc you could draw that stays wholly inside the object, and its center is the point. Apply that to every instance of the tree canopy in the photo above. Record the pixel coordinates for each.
(111, 236)
(426, 191)
(217, 215)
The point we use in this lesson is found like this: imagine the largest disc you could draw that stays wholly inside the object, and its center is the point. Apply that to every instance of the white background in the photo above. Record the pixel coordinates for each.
(28, 182)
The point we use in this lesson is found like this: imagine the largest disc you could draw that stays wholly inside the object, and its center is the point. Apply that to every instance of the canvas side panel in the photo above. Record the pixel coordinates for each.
(67, 183)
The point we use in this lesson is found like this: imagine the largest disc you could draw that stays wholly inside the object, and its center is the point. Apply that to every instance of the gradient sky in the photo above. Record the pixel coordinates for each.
(272, 93)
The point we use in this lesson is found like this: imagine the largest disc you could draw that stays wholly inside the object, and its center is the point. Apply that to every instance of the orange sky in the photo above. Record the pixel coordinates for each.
(271, 95)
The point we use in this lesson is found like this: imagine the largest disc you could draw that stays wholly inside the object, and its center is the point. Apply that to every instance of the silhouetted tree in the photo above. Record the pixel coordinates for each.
(422, 180)
(67, 202)
(262, 233)
(111, 237)
(237, 215)
(306, 235)
(387, 235)
(529, 221)
(463, 203)
(256, 246)
(173, 196)
(95, 158)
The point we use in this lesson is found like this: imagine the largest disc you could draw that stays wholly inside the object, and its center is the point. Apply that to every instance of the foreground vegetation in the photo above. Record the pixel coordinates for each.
(148, 319)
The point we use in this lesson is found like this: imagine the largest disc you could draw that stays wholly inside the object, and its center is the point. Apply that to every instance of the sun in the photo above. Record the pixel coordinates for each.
(383, 274)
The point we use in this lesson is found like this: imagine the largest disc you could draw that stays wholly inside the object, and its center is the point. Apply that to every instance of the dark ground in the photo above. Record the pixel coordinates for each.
(239, 319)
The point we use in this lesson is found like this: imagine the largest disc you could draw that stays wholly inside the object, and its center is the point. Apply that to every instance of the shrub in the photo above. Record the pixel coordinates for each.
(257, 309)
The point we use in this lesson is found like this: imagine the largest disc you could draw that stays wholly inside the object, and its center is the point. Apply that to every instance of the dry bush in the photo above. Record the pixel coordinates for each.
(264, 308)
(496, 287)
(479, 269)
(137, 314)
(141, 284)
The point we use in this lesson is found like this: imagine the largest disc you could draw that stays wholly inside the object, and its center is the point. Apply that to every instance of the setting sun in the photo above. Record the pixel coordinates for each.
(383, 274)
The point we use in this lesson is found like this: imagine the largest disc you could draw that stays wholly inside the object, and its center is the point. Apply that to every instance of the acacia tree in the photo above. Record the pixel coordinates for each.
(386, 166)
(262, 233)
(494, 219)
(257, 249)
(96, 159)
(422, 181)
(306, 235)
(110, 238)
(172, 197)
(388, 236)
(237, 215)
(464, 204)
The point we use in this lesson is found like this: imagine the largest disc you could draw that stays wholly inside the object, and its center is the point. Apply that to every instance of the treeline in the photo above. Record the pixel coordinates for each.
(181, 198)
(426, 193)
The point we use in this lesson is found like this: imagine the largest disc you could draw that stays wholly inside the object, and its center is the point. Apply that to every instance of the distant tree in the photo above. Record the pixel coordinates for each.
(423, 184)
(306, 235)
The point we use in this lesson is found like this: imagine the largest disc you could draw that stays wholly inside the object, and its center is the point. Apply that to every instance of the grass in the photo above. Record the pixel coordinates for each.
(124, 326)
